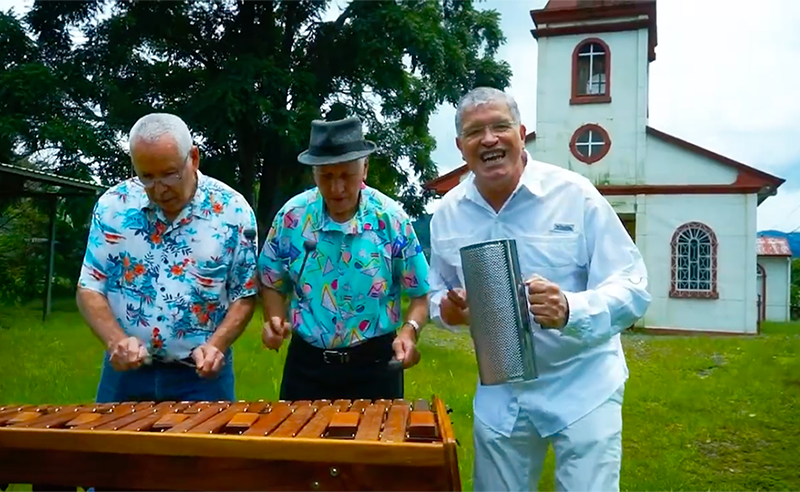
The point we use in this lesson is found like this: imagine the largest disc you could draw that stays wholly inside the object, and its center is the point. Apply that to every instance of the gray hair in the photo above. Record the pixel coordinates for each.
(153, 126)
(483, 95)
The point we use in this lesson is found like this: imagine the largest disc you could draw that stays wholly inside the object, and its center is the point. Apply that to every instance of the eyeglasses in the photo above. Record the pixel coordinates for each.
(171, 179)
(499, 128)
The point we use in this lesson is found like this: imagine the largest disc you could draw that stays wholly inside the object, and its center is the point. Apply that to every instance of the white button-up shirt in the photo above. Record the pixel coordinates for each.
(569, 234)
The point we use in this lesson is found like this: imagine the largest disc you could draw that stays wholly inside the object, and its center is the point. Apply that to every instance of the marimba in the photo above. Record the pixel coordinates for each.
(258, 445)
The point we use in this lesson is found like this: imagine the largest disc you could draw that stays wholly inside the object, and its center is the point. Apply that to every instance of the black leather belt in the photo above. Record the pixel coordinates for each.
(161, 361)
(374, 350)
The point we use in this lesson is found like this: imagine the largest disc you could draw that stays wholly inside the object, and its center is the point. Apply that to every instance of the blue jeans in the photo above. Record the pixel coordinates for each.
(165, 382)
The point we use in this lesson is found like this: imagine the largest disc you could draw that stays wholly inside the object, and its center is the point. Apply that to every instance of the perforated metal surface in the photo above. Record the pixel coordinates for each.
(499, 319)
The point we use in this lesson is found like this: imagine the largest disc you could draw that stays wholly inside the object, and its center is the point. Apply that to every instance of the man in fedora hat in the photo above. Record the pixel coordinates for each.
(341, 254)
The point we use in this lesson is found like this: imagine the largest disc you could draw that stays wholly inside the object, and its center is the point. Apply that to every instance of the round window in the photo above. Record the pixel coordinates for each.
(590, 143)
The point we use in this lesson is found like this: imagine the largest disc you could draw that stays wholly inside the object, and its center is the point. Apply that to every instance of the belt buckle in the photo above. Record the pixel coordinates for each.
(335, 357)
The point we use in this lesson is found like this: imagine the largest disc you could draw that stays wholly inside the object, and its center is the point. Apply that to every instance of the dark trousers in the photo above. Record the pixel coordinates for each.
(360, 372)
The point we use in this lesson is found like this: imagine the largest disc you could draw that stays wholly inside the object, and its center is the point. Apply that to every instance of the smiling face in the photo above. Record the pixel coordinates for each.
(340, 186)
(492, 145)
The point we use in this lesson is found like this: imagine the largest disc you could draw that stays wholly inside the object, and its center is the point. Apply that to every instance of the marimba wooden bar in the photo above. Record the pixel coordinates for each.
(282, 445)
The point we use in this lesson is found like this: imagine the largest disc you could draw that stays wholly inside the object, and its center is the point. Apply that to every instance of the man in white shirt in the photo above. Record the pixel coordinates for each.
(587, 284)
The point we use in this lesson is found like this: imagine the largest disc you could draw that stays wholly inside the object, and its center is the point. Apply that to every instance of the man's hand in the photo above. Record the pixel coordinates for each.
(405, 347)
(454, 309)
(127, 353)
(274, 332)
(208, 359)
(548, 303)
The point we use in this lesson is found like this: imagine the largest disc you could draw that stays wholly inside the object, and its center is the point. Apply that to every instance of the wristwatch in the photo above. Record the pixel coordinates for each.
(414, 325)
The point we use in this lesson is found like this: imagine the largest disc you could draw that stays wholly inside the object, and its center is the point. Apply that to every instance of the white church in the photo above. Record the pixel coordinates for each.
(691, 212)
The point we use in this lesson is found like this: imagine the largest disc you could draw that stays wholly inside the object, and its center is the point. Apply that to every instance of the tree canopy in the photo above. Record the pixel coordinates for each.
(248, 77)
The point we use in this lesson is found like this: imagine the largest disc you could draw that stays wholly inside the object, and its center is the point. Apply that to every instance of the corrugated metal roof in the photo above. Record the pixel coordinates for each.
(773, 246)
(51, 178)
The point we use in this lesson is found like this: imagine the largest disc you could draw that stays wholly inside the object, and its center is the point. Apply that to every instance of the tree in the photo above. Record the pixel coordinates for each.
(41, 126)
(249, 77)
(43, 122)
(794, 295)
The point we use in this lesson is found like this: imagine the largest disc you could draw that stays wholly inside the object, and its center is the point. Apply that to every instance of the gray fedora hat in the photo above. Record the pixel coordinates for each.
(333, 142)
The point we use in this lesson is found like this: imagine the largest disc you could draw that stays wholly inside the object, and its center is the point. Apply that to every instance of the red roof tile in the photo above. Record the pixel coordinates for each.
(572, 4)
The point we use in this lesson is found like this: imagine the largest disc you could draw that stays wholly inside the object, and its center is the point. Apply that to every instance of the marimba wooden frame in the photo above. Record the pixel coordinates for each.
(161, 461)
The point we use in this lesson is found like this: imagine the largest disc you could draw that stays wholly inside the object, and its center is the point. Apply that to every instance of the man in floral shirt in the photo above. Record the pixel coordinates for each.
(343, 253)
(168, 281)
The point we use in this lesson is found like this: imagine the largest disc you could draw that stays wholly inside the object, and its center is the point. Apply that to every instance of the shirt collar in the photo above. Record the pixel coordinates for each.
(362, 220)
(530, 180)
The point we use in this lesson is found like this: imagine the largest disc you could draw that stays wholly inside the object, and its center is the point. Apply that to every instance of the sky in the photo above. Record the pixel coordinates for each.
(718, 80)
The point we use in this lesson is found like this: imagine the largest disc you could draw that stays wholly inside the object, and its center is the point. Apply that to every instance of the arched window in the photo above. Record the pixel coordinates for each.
(694, 262)
(591, 72)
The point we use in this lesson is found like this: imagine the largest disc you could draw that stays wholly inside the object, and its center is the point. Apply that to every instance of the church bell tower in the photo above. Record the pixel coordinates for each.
(592, 87)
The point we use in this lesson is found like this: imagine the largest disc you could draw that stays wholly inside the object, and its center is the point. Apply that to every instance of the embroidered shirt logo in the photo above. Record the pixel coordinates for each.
(563, 227)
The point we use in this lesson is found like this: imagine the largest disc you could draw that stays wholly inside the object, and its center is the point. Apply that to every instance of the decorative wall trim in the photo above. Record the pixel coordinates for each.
(688, 332)
(582, 19)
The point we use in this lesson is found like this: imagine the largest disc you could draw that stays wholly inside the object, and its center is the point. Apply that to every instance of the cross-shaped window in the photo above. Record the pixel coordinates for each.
(590, 143)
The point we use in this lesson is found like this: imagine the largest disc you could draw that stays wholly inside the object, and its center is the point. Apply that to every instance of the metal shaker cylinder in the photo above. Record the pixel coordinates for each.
(500, 322)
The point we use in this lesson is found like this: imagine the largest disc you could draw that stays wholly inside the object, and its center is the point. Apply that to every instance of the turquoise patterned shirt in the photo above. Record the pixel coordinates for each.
(170, 283)
(351, 285)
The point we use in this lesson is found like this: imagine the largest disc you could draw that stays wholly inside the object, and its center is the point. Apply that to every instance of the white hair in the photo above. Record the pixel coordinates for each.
(483, 95)
(153, 126)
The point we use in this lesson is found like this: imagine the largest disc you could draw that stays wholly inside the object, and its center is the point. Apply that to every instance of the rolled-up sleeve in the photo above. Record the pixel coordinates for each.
(616, 293)
(272, 270)
(243, 280)
(96, 268)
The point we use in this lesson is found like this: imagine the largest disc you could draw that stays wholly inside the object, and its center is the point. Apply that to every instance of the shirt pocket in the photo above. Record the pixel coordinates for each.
(554, 257)
(209, 280)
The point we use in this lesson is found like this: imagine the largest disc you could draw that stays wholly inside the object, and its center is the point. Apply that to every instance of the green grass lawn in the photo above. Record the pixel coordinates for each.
(700, 413)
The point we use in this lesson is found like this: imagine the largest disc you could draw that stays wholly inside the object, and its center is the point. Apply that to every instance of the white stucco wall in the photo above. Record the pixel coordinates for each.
(668, 164)
(624, 118)
(778, 280)
(664, 164)
(733, 220)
